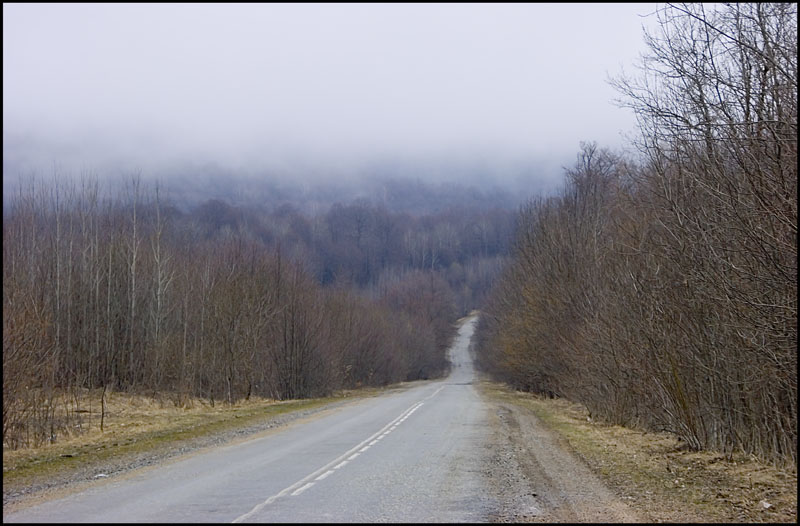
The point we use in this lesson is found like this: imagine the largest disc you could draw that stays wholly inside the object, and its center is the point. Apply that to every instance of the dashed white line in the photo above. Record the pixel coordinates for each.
(329, 472)
(299, 486)
(354, 455)
(300, 490)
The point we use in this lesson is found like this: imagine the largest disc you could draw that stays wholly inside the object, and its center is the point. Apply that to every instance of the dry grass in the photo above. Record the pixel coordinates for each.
(660, 479)
(135, 424)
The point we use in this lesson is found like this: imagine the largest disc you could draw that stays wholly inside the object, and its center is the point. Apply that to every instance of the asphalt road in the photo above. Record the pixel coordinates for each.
(411, 455)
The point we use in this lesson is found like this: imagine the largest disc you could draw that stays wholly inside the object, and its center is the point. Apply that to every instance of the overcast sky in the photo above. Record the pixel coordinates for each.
(269, 83)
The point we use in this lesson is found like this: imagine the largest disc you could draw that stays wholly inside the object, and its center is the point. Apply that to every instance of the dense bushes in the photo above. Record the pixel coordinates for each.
(663, 292)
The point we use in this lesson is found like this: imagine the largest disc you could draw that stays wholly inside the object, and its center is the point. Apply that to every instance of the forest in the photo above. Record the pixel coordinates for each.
(657, 286)
(661, 291)
(110, 285)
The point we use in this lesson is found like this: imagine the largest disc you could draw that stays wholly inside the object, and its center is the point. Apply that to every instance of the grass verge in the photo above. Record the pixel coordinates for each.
(135, 425)
(659, 479)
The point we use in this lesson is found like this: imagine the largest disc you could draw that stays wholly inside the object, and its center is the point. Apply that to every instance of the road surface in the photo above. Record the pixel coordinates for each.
(435, 451)
(412, 455)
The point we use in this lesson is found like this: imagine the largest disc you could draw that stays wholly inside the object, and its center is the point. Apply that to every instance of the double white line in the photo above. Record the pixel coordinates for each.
(339, 462)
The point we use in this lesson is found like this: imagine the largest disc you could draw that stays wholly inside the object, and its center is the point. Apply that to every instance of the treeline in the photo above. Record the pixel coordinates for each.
(663, 293)
(127, 291)
(416, 188)
(365, 246)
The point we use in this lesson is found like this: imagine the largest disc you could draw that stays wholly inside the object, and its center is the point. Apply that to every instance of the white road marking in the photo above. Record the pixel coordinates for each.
(340, 464)
(298, 491)
(303, 484)
(354, 455)
(330, 471)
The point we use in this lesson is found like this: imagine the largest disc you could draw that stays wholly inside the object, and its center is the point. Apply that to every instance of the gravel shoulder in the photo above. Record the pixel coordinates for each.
(551, 463)
(536, 476)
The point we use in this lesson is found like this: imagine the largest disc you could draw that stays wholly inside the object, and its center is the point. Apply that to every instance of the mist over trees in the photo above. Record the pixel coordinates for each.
(662, 292)
(115, 287)
(417, 187)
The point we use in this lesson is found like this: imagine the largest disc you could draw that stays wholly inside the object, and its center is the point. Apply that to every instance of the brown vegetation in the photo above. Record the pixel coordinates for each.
(122, 291)
(662, 293)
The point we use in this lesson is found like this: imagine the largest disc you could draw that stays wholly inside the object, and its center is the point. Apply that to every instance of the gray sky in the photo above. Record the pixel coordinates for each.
(245, 84)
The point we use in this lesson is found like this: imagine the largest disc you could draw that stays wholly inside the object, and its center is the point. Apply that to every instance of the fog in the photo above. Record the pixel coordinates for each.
(314, 90)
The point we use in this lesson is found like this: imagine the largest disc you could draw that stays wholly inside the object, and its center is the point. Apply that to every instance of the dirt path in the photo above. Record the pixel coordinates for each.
(538, 479)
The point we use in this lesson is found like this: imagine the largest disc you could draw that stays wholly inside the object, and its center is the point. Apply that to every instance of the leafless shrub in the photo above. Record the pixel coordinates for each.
(663, 293)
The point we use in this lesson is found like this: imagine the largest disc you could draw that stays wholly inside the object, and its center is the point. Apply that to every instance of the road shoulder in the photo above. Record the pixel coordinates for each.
(642, 476)
(536, 475)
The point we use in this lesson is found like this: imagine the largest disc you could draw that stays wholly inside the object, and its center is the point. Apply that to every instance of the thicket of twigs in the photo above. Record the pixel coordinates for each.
(114, 291)
(663, 292)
